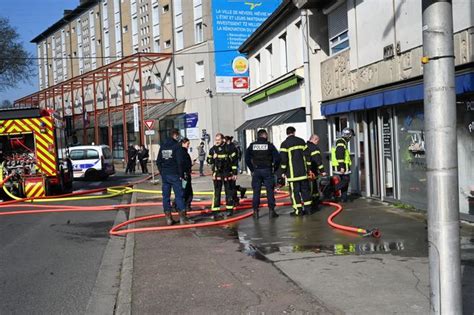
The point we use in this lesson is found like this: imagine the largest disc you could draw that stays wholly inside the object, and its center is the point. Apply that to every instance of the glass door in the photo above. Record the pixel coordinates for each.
(389, 176)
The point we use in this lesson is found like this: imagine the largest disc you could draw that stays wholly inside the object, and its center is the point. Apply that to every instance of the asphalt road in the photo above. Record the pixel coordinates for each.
(49, 262)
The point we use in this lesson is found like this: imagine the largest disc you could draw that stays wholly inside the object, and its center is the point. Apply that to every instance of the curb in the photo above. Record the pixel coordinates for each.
(104, 294)
(124, 298)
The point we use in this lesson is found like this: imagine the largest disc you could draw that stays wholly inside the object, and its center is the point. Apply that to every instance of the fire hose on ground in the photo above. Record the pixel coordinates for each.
(127, 189)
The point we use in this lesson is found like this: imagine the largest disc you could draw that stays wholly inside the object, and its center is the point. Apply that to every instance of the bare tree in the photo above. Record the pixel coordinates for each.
(16, 64)
(6, 104)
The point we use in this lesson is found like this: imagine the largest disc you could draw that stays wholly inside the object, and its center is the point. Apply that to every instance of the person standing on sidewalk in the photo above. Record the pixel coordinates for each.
(170, 165)
(263, 160)
(341, 162)
(224, 171)
(187, 168)
(201, 157)
(132, 159)
(235, 155)
(143, 155)
(294, 167)
(316, 168)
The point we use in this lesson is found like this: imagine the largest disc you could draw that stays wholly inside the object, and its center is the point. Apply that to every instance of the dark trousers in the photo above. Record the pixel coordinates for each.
(343, 185)
(172, 182)
(229, 200)
(314, 193)
(263, 177)
(201, 167)
(188, 193)
(300, 195)
(131, 166)
(144, 166)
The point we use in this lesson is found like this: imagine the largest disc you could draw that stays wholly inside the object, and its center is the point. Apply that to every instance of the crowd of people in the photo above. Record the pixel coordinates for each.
(298, 163)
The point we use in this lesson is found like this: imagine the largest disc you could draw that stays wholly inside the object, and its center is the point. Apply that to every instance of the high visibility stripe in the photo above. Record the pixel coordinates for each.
(308, 203)
(233, 154)
(283, 166)
(34, 189)
(290, 163)
(321, 166)
(283, 150)
(229, 207)
(234, 167)
(315, 152)
(292, 193)
(298, 147)
(216, 208)
(221, 156)
(341, 145)
(297, 178)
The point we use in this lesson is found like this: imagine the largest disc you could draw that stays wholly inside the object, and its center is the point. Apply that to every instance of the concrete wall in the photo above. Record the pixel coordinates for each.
(390, 22)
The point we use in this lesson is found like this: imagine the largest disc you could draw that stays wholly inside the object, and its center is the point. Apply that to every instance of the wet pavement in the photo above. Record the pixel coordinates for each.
(340, 271)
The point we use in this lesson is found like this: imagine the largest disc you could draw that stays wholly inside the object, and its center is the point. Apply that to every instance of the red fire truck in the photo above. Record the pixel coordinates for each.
(33, 152)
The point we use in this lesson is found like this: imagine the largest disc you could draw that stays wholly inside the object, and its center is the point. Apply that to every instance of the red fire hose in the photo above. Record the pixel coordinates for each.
(374, 232)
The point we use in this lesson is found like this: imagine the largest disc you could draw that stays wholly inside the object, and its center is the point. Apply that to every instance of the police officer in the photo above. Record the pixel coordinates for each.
(170, 165)
(316, 168)
(224, 170)
(341, 161)
(293, 152)
(263, 160)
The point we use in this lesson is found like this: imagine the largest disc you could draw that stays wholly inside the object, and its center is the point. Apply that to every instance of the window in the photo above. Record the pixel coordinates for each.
(167, 44)
(283, 54)
(338, 30)
(268, 62)
(165, 8)
(258, 79)
(180, 76)
(157, 47)
(199, 71)
(179, 39)
(77, 155)
(92, 154)
(198, 34)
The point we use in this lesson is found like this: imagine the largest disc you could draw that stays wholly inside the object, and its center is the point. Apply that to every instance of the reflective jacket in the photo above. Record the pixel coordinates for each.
(225, 164)
(293, 152)
(262, 154)
(341, 157)
(315, 162)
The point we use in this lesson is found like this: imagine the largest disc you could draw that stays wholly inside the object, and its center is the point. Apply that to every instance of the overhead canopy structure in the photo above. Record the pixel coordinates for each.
(291, 116)
(113, 88)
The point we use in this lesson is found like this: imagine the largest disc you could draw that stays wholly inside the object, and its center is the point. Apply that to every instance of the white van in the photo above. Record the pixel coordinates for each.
(92, 161)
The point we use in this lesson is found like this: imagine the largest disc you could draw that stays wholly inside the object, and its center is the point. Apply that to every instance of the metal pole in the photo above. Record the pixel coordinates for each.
(441, 157)
(307, 75)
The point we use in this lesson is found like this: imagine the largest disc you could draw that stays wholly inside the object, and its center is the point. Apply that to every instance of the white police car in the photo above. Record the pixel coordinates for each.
(92, 161)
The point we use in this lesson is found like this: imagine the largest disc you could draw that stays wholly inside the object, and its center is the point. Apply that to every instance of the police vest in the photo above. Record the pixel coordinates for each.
(262, 155)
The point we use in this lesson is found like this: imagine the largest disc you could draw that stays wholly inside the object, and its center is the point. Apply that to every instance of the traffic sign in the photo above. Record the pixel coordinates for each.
(149, 132)
(149, 123)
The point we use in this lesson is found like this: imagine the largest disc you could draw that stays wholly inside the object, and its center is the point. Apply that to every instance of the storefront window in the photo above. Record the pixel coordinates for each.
(465, 131)
(411, 157)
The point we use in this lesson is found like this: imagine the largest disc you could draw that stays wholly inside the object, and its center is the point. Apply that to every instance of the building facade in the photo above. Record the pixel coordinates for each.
(285, 56)
(80, 54)
(372, 82)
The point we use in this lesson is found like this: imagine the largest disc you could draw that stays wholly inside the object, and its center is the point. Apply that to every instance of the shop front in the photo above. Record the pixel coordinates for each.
(389, 148)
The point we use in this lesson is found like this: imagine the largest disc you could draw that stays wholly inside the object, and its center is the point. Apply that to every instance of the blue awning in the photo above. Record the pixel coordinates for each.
(464, 84)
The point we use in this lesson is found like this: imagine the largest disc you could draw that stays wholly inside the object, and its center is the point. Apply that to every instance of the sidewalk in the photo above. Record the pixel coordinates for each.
(290, 265)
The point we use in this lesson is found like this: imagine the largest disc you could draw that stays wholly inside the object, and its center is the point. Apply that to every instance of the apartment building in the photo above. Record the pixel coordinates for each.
(371, 81)
(203, 79)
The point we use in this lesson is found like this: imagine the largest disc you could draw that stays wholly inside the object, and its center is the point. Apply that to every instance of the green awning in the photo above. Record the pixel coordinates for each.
(273, 89)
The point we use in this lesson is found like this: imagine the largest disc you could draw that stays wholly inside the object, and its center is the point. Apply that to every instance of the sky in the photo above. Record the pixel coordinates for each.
(30, 18)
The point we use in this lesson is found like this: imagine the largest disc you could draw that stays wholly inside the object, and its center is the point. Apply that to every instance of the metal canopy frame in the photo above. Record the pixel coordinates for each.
(56, 96)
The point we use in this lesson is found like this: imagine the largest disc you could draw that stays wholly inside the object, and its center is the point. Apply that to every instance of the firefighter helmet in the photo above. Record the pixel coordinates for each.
(347, 133)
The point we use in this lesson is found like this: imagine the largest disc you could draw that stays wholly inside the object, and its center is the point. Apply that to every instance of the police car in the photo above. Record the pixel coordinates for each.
(92, 161)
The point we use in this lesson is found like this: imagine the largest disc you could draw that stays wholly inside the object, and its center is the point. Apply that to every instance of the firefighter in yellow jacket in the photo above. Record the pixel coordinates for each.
(341, 161)
(293, 152)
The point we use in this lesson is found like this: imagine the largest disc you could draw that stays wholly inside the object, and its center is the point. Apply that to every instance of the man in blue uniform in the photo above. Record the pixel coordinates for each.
(170, 163)
(263, 160)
